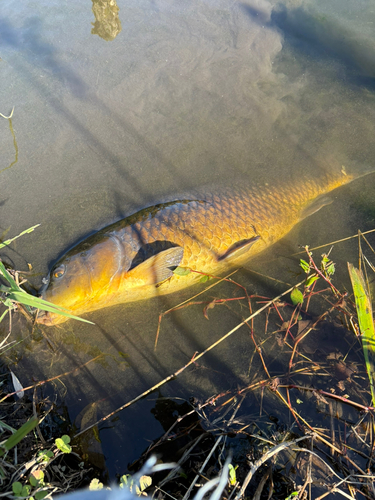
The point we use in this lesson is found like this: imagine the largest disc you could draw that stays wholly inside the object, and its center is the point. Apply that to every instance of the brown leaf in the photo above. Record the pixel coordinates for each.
(274, 384)
(334, 355)
(279, 339)
(285, 326)
(341, 385)
(211, 305)
(343, 371)
(303, 326)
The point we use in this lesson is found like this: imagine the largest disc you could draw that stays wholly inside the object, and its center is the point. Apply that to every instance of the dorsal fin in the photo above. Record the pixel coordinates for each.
(238, 248)
(155, 269)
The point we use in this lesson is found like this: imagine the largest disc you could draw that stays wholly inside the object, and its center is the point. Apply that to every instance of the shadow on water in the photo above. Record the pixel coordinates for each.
(138, 349)
(318, 37)
(40, 55)
(45, 56)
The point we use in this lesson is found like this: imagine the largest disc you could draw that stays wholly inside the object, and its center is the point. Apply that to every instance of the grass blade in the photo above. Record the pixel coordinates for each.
(19, 435)
(8, 277)
(8, 242)
(29, 300)
(366, 323)
(16, 294)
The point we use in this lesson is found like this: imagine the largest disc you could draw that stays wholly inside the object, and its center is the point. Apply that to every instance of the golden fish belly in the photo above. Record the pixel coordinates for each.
(134, 259)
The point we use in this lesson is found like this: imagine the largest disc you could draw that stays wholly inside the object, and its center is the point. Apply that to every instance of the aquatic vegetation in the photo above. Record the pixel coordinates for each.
(13, 296)
(264, 450)
(306, 456)
(366, 322)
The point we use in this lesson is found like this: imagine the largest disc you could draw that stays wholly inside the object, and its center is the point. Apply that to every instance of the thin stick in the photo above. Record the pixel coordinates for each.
(193, 360)
(334, 242)
(38, 384)
(255, 466)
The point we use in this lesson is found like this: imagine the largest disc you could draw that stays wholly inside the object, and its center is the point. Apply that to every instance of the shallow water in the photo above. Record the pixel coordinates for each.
(179, 95)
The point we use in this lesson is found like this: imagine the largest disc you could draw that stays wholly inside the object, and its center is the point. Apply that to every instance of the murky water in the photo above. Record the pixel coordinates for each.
(157, 97)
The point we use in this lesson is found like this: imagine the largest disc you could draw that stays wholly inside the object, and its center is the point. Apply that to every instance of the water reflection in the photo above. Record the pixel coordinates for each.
(322, 38)
(203, 93)
(107, 22)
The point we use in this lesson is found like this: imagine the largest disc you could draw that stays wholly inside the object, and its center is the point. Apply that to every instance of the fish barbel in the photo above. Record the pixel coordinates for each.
(134, 258)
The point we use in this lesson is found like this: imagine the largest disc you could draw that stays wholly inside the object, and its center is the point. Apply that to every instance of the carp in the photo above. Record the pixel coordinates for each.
(135, 258)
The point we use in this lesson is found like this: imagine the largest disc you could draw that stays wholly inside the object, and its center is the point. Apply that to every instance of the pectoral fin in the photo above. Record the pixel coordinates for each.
(157, 268)
(315, 205)
(239, 248)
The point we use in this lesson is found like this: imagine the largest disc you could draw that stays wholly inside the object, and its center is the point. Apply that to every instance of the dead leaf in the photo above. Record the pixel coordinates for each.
(17, 386)
(279, 339)
(285, 326)
(211, 305)
(303, 326)
(343, 371)
(274, 384)
(341, 385)
(334, 355)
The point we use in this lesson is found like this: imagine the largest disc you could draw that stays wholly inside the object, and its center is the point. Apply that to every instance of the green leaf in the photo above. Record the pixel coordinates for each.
(8, 303)
(15, 293)
(310, 280)
(331, 269)
(204, 279)
(17, 488)
(45, 455)
(26, 491)
(37, 478)
(296, 297)
(29, 300)
(292, 495)
(20, 491)
(63, 444)
(33, 481)
(95, 485)
(366, 323)
(232, 474)
(305, 266)
(126, 480)
(8, 277)
(19, 435)
(181, 271)
(39, 495)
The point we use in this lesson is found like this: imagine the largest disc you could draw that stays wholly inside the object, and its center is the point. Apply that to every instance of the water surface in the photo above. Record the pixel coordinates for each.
(159, 98)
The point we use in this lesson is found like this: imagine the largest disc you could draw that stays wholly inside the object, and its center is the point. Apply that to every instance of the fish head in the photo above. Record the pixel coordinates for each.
(79, 281)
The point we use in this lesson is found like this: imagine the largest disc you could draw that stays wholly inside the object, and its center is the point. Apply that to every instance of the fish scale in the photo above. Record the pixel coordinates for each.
(133, 259)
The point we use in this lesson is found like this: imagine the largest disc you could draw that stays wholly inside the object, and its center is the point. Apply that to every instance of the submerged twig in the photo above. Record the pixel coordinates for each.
(7, 117)
(193, 360)
(255, 466)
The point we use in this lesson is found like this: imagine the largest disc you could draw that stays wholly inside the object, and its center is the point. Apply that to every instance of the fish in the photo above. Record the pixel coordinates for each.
(137, 257)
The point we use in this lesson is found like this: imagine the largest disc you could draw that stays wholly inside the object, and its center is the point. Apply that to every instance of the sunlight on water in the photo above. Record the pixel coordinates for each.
(117, 109)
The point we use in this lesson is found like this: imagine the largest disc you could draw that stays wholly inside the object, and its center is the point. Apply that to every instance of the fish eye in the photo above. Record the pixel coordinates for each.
(59, 271)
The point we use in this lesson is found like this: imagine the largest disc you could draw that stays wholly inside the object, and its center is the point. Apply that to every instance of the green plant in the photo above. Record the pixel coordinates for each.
(126, 481)
(366, 323)
(35, 487)
(13, 294)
